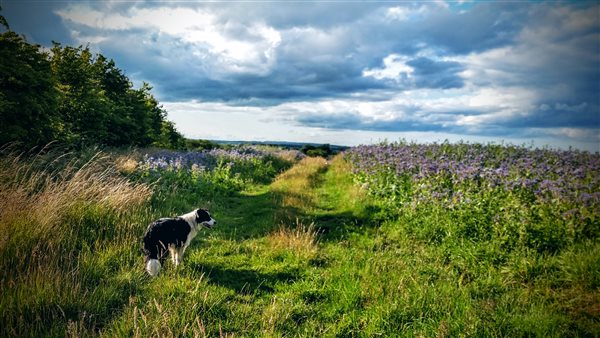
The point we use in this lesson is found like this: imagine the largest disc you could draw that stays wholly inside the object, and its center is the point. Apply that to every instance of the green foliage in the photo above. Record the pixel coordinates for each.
(228, 177)
(28, 99)
(509, 197)
(323, 150)
(76, 98)
(260, 170)
(100, 106)
(196, 182)
(200, 145)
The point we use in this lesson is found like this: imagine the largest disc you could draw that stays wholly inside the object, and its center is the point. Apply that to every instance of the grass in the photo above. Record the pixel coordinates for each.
(308, 254)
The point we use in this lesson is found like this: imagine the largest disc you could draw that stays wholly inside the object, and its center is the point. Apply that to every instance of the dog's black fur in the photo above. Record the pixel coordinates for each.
(174, 235)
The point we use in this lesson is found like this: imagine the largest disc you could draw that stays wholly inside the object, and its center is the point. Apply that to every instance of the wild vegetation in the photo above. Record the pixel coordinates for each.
(375, 241)
(72, 96)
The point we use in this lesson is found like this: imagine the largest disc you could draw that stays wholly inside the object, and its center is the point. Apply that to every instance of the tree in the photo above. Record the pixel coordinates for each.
(75, 97)
(3, 21)
(200, 145)
(121, 127)
(99, 105)
(83, 107)
(28, 98)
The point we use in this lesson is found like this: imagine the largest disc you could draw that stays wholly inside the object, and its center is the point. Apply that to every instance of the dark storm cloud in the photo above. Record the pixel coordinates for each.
(349, 121)
(485, 68)
(486, 26)
(323, 51)
(432, 74)
(359, 36)
(37, 21)
(560, 114)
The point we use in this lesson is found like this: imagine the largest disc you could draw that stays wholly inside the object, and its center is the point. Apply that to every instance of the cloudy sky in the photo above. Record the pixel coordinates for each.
(349, 72)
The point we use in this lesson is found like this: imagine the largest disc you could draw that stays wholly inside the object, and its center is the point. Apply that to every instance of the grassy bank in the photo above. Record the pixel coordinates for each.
(301, 250)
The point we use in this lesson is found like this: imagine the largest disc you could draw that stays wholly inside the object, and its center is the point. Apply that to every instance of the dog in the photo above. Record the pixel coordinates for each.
(172, 235)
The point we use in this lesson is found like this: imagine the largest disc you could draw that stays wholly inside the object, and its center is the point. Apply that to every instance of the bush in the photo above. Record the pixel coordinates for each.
(314, 151)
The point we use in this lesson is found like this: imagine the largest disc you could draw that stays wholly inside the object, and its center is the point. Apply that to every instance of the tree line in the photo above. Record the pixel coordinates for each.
(73, 96)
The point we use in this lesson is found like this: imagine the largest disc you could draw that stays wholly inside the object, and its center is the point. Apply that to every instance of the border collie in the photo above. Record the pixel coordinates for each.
(173, 235)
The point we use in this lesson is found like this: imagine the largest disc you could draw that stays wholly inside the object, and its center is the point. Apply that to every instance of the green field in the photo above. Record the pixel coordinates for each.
(301, 249)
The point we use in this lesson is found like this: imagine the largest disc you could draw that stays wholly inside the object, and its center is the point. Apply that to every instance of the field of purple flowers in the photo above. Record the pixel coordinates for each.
(216, 170)
(542, 199)
(210, 159)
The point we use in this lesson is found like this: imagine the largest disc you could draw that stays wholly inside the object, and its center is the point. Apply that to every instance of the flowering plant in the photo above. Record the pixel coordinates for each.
(555, 193)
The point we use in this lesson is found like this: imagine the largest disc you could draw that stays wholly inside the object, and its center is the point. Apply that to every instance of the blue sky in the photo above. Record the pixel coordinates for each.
(349, 72)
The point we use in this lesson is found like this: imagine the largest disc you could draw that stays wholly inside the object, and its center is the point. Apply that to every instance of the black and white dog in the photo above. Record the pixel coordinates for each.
(174, 235)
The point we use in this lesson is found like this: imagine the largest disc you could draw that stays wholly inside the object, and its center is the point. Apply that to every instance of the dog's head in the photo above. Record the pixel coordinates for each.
(203, 217)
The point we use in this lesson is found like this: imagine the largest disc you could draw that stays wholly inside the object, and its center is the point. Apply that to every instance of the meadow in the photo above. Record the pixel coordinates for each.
(394, 239)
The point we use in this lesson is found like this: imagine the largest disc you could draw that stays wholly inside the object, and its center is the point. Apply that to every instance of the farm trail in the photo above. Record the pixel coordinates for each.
(314, 191)
(275, 257)
(296, 195)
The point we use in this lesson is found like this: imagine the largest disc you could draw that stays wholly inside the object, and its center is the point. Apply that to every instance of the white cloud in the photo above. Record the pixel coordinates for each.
(216, 41)
(273, 124)
(397, 13)
(575, 133)
(394, 68)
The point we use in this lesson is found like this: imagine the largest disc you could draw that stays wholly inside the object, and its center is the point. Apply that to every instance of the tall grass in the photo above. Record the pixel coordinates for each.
(299, 239)
(41, 194)
(55, 210)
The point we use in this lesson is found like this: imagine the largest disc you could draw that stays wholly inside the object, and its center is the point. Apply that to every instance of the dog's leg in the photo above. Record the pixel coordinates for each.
(180, 252)
(177, 258)
(173, 252)
(176, 254)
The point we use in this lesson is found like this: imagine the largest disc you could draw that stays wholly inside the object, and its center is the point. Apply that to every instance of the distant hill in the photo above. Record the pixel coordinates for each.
(284, 144)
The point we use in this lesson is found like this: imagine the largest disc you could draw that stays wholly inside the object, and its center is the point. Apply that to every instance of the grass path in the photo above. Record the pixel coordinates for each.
(262, 270)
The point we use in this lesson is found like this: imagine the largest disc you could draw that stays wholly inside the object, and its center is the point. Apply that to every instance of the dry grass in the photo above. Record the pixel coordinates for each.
(300, 239)
(127, 163)
(41, 192)
(301, 174)
(50, 205)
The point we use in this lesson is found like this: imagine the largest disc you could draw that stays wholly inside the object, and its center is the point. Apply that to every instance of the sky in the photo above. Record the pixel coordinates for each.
(349, 72)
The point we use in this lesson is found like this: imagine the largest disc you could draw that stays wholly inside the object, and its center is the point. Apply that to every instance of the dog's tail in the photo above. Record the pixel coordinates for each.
(153, 267)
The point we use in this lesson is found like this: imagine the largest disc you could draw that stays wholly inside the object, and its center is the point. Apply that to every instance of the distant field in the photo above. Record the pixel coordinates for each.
(388, 240)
